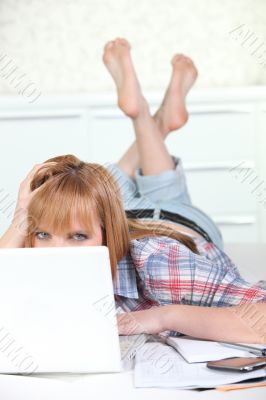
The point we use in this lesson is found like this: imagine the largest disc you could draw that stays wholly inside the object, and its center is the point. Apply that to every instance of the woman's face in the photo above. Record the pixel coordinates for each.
(76, 236)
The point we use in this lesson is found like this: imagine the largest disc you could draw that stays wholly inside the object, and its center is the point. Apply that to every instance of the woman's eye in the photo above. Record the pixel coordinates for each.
(42, 235)
(79, 236)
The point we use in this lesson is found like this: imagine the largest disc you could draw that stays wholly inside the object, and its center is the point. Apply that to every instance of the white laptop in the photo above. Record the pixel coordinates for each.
(57, 311)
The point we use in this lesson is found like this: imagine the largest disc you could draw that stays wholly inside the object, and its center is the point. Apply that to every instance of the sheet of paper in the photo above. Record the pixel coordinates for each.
(130, 344)
(158, 365)
(203, 350)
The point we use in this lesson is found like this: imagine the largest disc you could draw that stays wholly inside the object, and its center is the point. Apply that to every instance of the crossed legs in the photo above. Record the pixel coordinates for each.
(148, 151)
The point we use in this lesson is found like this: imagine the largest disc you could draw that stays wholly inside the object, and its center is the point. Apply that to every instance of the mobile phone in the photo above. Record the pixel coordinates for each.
(240, 364)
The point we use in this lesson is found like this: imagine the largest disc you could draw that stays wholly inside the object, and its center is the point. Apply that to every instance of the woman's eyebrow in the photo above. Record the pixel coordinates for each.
(40, 229)
(85, 231)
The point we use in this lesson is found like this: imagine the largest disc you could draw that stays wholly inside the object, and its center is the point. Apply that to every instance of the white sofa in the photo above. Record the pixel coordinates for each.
(250, 259)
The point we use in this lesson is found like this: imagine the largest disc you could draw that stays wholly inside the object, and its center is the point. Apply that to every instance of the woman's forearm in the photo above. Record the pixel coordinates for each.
(13, 237)
(246, 323)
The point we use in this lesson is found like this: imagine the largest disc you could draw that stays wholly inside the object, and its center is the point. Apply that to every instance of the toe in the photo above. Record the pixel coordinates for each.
(122, 42)
(109, 45)
(177, 58)
(188, 60)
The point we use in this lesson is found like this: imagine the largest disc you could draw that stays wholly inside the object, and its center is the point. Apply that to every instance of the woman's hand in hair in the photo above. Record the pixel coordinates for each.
(25, 194)
(16, 233)
(147, 321)
(24, 197)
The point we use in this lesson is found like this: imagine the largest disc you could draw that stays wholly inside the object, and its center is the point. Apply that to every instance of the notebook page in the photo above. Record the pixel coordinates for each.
(130, 344)
(195, 350)
(158, 365)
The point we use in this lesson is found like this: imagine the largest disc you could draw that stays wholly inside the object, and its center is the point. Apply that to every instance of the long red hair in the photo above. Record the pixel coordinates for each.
(71, 188)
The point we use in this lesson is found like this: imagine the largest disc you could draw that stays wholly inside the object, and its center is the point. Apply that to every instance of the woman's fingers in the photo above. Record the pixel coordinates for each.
(145, 321)
(25, 184)
(21, 217)
(36, 168)
(128, 324)
(25, 194)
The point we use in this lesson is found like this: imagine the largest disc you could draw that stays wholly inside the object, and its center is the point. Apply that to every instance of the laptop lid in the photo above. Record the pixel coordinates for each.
(57, 311)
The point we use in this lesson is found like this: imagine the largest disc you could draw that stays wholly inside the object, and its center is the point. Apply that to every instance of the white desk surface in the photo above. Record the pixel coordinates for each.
(105, 386)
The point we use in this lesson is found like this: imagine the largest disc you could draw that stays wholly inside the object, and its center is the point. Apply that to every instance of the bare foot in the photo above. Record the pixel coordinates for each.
(172, 113)
(117, 60)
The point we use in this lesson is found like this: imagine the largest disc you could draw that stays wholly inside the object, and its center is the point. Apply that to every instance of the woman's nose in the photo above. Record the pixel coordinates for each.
(59, 242)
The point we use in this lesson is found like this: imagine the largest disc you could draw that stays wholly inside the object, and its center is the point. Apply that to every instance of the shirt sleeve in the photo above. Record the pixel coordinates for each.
(172, 274)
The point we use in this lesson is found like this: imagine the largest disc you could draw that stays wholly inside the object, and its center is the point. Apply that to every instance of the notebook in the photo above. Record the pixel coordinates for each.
(196, 350)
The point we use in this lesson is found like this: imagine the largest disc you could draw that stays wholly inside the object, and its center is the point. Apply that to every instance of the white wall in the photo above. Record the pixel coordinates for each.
(222, 149)
(58, 43)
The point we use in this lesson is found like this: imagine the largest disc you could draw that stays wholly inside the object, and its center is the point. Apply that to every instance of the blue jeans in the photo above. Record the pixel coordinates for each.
(167, 191)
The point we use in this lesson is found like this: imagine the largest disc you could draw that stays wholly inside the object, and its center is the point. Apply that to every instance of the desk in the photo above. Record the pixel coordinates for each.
(99, 386)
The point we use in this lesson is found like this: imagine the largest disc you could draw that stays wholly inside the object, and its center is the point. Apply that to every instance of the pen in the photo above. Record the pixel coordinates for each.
(254, 350)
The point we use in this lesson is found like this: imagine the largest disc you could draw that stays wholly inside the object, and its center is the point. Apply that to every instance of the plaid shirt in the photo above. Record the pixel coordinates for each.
(160, 270)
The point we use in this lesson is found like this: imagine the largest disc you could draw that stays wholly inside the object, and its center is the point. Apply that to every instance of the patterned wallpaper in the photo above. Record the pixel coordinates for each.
(56, 45)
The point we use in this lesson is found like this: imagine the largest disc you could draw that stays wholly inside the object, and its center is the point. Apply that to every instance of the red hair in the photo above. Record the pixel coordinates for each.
(72, 188)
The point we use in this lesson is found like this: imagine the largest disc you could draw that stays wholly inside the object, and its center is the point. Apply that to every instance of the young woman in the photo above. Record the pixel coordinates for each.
(168, 267)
